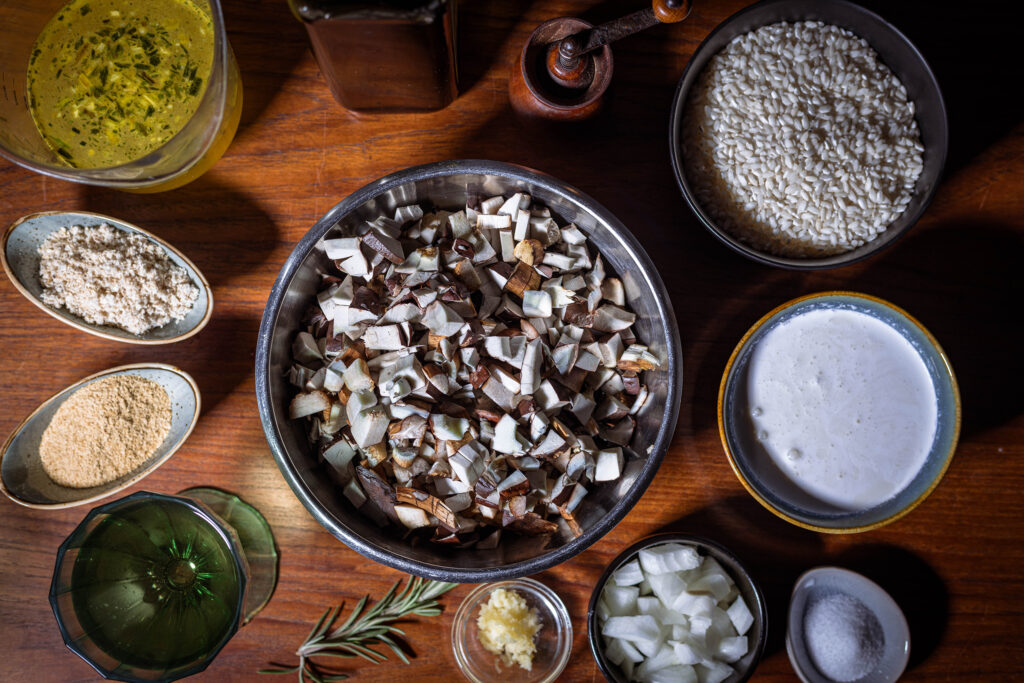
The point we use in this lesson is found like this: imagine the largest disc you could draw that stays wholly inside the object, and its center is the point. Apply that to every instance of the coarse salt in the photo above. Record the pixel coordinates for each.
(843, 637)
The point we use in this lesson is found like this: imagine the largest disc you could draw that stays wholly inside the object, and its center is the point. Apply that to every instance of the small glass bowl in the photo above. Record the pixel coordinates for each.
(554, 641)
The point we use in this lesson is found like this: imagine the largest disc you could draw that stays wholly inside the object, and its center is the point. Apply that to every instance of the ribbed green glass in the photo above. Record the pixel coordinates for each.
(149, 587)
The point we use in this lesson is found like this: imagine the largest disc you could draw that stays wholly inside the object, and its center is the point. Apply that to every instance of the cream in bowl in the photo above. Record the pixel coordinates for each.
(106, 277)
(99, 436)
(839, 412)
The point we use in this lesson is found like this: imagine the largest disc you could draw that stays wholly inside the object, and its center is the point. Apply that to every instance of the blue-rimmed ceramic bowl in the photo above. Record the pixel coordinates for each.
(767, 483)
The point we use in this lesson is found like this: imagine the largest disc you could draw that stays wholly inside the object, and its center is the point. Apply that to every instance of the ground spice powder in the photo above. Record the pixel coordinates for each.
(105, 430)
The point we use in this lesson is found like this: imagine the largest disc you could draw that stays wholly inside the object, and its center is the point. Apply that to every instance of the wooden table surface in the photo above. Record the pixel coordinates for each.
(955, 565)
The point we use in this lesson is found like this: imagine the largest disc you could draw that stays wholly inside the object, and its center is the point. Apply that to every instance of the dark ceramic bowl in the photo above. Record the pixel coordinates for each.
(756, 636)
(895, 50)
(446, 185)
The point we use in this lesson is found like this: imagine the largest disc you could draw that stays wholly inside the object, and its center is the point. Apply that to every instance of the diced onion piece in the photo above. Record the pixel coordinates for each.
(740, 615)
(634, 629)
(621, 600)
(670, 557)
(628, 574)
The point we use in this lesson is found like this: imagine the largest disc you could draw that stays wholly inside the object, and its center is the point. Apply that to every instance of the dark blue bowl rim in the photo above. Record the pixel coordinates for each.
(939, 147)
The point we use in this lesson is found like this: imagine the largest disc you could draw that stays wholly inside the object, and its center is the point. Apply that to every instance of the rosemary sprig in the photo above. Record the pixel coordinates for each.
(364, 629)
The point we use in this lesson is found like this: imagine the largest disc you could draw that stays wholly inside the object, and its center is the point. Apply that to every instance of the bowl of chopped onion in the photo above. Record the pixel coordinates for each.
(468, 371)
(677, 607)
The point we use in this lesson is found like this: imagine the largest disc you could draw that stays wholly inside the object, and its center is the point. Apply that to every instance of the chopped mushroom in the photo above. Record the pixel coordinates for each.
(470, 371)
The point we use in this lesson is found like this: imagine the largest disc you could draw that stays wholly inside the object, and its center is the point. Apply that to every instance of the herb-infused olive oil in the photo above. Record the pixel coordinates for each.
(111, 80)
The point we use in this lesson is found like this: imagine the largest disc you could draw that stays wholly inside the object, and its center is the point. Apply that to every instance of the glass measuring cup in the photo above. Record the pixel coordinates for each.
(183, 158)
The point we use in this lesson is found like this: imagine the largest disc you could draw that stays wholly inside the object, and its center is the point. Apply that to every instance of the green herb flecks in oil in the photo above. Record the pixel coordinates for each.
(115, 79)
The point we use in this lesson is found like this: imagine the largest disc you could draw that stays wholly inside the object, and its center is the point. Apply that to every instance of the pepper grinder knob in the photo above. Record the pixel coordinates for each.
(566, 65)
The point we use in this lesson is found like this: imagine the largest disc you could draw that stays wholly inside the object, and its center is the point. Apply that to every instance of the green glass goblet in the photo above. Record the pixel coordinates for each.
(151, 587)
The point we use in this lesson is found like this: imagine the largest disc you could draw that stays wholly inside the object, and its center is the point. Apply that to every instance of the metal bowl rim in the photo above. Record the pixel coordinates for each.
(510, 171)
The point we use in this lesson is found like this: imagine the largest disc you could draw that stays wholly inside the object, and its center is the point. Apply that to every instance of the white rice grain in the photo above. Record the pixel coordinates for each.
(800, 142)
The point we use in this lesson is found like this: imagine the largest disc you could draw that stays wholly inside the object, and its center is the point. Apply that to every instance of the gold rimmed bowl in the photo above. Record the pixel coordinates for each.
(767, 482)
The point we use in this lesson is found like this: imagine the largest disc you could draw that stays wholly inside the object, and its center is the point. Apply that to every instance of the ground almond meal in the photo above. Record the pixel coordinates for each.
(105, 430)
(108, 276)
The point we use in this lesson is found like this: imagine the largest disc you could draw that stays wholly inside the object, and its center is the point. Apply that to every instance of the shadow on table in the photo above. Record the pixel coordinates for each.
(962, 280)
(913, 584)
(221, 357)
(486, 32)
(221, 229)
(756, 536)
(267, 41)
(971, 54)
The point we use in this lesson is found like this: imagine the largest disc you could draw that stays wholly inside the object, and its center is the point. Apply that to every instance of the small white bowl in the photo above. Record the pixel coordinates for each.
(20, 257)
(22, 478)
(830, 580)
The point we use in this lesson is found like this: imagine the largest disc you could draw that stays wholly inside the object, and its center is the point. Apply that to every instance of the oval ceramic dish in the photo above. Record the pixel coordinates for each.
(767, 483)
(824, 581)
(894, 49)
(20, 256)
(757, 636)
(22, 477)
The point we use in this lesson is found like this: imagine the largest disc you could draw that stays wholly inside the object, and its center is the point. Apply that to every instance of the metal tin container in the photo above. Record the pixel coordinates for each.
(384, 55)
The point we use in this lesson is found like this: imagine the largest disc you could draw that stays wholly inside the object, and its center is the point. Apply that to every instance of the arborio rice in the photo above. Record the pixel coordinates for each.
(799, 141)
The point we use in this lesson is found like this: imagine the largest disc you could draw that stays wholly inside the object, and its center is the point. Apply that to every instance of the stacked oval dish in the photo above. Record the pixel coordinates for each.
(109, 430)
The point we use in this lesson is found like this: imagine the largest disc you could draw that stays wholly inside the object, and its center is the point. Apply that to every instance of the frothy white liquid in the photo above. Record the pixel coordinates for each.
(844, 406)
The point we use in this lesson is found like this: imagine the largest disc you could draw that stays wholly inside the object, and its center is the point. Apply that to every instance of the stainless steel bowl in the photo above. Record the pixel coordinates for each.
(445, 185)
(894, 49)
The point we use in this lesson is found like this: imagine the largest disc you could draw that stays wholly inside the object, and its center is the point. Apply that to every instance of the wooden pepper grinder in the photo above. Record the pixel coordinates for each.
(566, 65)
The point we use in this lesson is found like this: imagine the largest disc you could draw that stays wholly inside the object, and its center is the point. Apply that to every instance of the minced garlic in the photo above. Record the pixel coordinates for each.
(508, 626)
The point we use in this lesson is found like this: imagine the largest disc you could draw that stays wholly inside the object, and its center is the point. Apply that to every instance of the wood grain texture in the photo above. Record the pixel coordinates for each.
(956, 564)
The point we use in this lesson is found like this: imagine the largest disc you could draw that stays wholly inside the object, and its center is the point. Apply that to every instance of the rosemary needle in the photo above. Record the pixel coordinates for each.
(363, 629)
